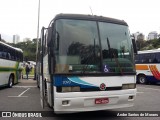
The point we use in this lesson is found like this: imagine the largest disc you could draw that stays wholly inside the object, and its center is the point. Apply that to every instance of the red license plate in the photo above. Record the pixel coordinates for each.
(101, 100)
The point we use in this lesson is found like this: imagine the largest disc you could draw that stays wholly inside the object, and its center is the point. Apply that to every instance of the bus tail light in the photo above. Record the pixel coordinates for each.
(129, 86)
(71, 89)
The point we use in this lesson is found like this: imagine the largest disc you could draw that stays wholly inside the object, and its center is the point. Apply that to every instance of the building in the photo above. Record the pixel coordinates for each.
(16, 39)
(26, 39)
(138, 36)
(152, 35)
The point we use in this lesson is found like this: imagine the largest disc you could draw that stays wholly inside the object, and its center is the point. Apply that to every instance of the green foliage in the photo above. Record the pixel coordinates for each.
(148, 45)
(29, 49)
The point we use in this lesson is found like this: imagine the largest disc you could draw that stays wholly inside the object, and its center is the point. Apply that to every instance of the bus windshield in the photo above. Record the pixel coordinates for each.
(83, 46)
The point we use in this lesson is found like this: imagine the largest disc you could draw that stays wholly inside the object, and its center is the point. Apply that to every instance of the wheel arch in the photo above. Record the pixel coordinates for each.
(13, 75)
(141, 74)
(11, 80)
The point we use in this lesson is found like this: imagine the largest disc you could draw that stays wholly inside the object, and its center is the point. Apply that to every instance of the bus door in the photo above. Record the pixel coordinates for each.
(42, 83)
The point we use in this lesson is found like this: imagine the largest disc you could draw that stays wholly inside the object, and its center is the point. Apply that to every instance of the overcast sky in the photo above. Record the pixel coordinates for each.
(21, 16)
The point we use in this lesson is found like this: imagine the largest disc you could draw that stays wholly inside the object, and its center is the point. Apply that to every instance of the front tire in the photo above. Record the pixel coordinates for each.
(142, 79)
(10, 81)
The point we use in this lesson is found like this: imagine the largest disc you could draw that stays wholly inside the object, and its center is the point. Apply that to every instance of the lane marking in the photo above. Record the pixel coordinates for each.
(20, 95)
(139, 92)
(23, 92)
(24, 86)
(17, 96)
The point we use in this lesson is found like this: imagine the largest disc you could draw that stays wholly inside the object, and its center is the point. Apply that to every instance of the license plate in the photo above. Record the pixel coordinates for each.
(101, 100)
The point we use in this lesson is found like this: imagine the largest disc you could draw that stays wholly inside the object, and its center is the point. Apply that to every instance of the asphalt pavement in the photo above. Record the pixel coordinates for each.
(25, 97)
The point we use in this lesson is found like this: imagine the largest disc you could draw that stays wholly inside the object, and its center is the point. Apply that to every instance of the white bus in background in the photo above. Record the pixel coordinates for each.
(32, 63)
(83, 66)
(148, 66)
(10, 64)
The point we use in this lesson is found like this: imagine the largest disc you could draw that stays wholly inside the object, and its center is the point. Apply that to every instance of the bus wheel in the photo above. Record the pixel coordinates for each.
(142, 79)
(10, 81)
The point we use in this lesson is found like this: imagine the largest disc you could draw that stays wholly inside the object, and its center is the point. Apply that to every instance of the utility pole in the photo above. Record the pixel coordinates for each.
(38, 31)
(37, 43)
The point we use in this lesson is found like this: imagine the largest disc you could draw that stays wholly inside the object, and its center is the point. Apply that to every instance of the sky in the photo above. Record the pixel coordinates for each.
(21, 16)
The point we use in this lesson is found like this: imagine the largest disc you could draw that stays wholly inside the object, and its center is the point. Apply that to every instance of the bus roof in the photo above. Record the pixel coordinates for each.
(18, 49)
(149, 51)
(90, 17)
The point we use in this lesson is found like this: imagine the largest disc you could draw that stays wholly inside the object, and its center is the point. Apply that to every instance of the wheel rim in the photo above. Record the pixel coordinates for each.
(11, 82)
(142, 80)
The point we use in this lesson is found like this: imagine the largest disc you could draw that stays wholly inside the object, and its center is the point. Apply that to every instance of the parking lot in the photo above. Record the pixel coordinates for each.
(25, 96)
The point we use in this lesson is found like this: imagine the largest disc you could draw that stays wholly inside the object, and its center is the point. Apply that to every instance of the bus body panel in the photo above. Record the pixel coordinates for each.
(151, 71)
(84, 66)
(85, 101)
(7, 68)
(4, 78)
(152, 79)
(147, 64)
(93, 82)
(10, 63)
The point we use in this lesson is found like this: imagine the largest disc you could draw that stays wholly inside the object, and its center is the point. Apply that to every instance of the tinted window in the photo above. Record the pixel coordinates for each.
(77, 46)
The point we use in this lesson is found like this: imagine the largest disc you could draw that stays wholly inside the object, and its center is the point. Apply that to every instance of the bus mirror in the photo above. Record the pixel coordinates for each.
(134, 46)
(57, 40)
(50, 35)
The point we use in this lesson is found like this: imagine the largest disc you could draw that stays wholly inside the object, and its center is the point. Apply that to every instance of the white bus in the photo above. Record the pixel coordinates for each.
(10, 64)
(148, 66)
(83, 65)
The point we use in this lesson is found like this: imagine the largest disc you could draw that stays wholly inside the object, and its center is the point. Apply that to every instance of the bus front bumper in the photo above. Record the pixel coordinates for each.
(87, 101)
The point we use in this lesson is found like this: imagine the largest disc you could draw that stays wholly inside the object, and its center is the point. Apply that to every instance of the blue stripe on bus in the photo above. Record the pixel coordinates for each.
(71, 81)
(79, 81)
(152, 79)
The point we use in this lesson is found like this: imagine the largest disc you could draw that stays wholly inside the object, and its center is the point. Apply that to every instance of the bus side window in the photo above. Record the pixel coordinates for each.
(3, 55)
(147, 57)
(12, 57)
(12, 54)
(8, 56)
(153, 58)
(137, 59)
(141, 58)
(158, 57)
(0, 54)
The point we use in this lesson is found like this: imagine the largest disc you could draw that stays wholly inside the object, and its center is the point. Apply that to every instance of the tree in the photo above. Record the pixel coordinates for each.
(2, 39)
(28, 47)
(159, 37)
(140, 44)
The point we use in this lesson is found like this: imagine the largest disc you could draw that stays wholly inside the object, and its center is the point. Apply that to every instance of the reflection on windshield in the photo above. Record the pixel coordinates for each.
(79, 47)
(113, 54)
(115, 42)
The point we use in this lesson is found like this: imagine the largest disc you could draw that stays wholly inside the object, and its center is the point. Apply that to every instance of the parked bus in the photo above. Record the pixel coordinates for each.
(148, 66)
(10, 64)
(83, 65)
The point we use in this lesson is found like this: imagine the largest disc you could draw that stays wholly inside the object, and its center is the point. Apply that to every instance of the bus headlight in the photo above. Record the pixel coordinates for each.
(129, 86)
(75, 89)
(71, 89)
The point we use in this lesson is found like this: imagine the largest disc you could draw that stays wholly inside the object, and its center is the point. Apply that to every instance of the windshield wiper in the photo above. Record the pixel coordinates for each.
(90, 58)
(111, 52)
